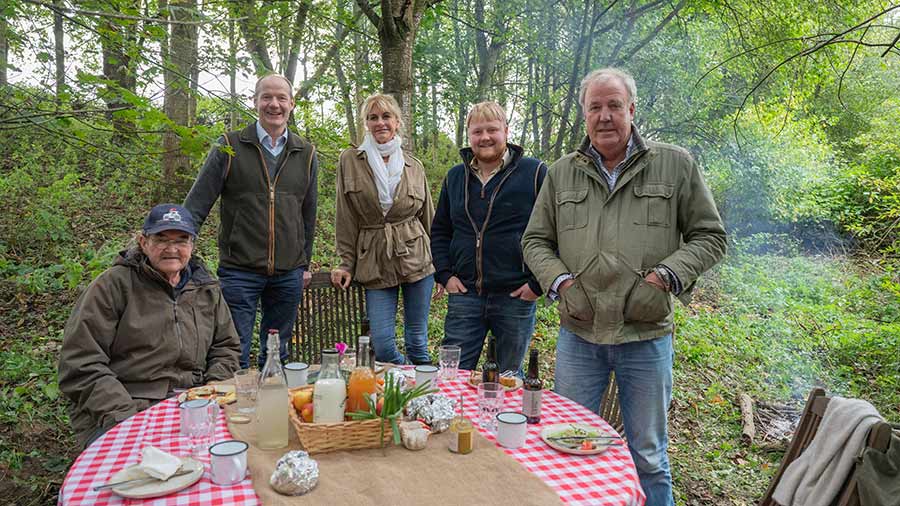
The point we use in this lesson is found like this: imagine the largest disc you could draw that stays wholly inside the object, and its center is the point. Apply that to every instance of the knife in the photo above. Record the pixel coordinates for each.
(145, 479)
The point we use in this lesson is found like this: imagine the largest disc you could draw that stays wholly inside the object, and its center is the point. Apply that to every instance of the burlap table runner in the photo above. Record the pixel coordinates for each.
(396, 475)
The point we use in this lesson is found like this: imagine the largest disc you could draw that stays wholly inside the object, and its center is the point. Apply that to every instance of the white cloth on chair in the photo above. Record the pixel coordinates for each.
(816, 476)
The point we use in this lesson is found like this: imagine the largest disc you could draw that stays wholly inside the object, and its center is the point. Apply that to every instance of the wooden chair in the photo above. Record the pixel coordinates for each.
(326, 315)
(610, 410)
(879, 438)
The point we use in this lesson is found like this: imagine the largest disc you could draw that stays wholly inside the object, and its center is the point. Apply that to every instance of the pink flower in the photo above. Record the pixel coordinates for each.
(340, 347)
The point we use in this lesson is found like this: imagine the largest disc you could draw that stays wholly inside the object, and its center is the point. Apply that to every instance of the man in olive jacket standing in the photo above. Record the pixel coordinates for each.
(268, 215)
(620, 226)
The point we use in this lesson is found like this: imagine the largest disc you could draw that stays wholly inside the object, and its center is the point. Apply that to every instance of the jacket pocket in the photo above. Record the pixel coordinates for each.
(366, 257)
(572, 205)
(655, 204)
(248, 242)
(576, 303)
(647, 303)
(289, 236)
(417, 255)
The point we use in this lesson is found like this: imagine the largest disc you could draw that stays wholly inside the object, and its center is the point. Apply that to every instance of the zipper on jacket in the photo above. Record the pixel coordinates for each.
(270, 245)
(177, 329)
(479, 234)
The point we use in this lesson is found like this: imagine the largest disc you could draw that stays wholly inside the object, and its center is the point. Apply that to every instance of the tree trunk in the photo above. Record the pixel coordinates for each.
(296, 38)
(232, 77)
(396, 57)
(117, 68)
(571, 92)
(253, 30)
(59, 45)
(4, 48)
(346, 102)
(488, 52)
(176, 166)
(397, 26)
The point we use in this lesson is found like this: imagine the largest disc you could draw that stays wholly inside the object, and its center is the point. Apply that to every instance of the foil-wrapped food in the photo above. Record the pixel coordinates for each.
(295, 474)
(437, 410)
(399, 377)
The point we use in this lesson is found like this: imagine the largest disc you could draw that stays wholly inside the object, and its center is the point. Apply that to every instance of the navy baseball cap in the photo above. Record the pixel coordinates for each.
(169, 217)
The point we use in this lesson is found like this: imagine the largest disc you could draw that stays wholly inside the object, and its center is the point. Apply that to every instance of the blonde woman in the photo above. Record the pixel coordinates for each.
(382, 227)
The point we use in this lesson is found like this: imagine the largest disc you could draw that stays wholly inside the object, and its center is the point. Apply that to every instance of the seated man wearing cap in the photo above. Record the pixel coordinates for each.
(154, 322)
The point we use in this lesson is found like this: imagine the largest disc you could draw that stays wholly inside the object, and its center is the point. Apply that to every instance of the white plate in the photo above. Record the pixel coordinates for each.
(474, 380)
(156, 488)
(554, 430)
(220, 390)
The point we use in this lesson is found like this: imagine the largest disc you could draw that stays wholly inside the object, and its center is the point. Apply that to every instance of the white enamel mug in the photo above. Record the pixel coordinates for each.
(297, 373)
(228, 462)
(511, 429)
(425, 374)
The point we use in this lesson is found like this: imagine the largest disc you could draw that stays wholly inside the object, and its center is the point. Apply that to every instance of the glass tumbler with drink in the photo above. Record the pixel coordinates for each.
(199, 418)
(449, 360)
(490, 402)
(245, 385)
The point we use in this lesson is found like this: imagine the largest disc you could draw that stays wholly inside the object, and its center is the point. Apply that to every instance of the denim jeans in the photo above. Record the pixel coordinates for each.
(469, 318)
(644, 375)
(280, 295)
(381, 308)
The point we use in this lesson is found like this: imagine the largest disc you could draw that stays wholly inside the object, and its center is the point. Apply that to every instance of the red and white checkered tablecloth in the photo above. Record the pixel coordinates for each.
(121, 447)
(607, 479)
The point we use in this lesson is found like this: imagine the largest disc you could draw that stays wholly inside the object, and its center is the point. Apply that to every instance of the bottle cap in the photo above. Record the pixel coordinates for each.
(363, 339)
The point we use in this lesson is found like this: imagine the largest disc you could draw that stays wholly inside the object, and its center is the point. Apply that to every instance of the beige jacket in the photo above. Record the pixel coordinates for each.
(381, 250)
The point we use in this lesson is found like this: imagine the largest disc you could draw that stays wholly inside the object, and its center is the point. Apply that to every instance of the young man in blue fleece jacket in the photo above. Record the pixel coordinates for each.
(482, 212)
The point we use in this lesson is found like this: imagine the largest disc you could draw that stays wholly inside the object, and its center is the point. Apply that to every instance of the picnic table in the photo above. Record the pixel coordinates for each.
(606, 479)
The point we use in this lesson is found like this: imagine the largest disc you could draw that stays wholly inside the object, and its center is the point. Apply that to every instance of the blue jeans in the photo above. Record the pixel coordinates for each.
(381, 308)
(280, 295)
(469, 318)
(644, 375)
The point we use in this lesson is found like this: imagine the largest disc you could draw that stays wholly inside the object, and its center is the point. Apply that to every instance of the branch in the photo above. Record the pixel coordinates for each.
(113, 15)
(306, 86)
(640, 45)
(367, 10)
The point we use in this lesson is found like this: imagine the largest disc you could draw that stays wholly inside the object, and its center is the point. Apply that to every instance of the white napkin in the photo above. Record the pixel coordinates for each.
(159, 464)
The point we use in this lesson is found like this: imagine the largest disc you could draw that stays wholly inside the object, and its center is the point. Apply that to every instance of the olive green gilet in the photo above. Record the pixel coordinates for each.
(262, 222)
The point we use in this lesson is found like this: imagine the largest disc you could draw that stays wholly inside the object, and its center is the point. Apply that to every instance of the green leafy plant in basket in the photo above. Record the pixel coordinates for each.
(394, 400)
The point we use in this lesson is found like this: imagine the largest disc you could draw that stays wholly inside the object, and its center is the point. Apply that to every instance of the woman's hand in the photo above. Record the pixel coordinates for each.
(340, 278)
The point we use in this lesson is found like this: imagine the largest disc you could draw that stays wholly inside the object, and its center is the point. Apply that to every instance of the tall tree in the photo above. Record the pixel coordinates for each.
(4, 42)
(118, 41)
(60, 51)
(397, 26)
(181, 51)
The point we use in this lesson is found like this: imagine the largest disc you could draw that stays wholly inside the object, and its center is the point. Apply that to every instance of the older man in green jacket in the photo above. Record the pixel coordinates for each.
(620, 226)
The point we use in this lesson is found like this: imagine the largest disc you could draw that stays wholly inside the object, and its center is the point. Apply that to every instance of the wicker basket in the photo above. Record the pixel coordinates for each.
(330, 437)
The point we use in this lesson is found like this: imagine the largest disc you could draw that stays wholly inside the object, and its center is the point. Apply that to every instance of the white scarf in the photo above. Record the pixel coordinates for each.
(387, 177)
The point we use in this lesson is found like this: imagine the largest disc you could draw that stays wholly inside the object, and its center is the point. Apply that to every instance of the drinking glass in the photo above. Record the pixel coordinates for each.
(449, 360)
(348, 363)
(245, 384)
(490, 402)
(199, 422)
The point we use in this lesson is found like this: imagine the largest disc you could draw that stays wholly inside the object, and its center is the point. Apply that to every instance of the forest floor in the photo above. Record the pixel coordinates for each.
(770, 326)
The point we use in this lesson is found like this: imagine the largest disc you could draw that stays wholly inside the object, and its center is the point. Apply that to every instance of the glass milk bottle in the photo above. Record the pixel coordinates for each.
(330, 392)
(272, 399)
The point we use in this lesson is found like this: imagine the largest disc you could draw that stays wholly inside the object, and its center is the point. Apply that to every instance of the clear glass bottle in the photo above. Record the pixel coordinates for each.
(272, 399)
(362, 380)
(330, 393)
